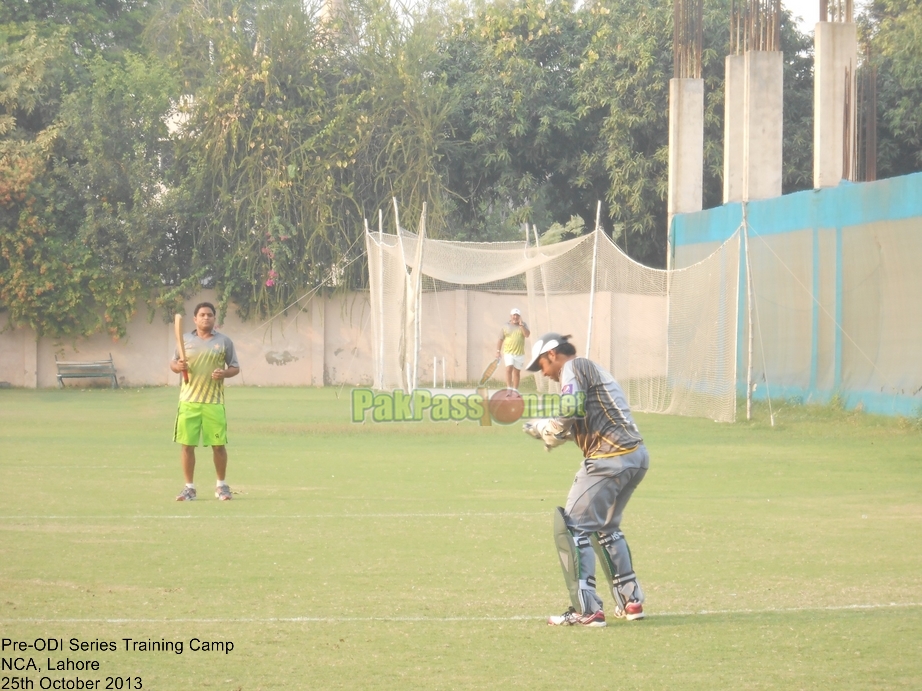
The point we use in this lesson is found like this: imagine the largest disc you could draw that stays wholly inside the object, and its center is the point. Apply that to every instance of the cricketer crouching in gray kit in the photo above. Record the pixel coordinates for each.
(615, 461)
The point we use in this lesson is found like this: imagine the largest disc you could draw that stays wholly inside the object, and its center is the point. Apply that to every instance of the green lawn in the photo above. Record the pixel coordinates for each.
(420, 555)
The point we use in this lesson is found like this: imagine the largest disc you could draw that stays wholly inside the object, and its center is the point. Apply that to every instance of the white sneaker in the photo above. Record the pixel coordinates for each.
(594, 620)
(187, 494)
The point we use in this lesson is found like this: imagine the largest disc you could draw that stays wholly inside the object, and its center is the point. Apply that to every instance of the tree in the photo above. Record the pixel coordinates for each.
(91, 25)
(111, 162)
(894, 28)
(41, 277)
(297, 130)
(626, 79)
(79, 154)
(797, 147)
(517, 137)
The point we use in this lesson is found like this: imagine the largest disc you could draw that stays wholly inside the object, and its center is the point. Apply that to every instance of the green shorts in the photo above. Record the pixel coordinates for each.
(200, 420)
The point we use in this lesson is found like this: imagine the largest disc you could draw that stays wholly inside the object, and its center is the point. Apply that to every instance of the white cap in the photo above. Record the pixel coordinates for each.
(515, 310)
(547, 342)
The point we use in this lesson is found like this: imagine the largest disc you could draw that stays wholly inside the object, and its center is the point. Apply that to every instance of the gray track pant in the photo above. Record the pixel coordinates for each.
(600, 491)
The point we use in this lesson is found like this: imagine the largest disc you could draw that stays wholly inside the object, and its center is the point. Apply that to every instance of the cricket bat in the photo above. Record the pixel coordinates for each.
(180, 344)
(486, 420)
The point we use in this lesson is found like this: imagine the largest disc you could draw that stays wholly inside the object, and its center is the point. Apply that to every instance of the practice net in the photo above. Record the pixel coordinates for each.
(669, 337)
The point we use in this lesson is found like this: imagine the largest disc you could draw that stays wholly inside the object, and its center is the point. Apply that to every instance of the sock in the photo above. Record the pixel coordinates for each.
(190, 485)
(221, 483)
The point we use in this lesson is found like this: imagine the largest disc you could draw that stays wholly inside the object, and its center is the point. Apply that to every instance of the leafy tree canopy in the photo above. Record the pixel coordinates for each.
(148, 149)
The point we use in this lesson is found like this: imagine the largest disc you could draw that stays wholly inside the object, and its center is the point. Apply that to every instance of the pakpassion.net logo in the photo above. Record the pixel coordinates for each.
(504, 407)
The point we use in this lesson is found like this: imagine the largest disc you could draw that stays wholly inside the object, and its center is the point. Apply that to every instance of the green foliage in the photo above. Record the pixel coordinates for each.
(625, 78)
(797, 129)
(43, 278)
(517, 134)
(92, 25)
(561, 108)
(295, 128)
(298, 130)
(79, 161)
(625, 81)
(559, 232)
(894, 29)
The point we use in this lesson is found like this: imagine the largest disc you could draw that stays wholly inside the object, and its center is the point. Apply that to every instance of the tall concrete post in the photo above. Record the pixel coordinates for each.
(753, 113)
(836, 47)
(734, 127)
(330, 9)
(764, 113)
(686, 151)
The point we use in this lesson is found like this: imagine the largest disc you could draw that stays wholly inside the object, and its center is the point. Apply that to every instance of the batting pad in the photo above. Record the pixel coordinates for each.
(615, 557)
(569, 558)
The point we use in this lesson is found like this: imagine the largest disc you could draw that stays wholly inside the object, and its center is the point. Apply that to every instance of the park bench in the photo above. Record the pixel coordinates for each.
(72, 369)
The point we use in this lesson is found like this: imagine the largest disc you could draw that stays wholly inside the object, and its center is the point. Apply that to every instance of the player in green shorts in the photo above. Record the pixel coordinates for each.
(210, 359)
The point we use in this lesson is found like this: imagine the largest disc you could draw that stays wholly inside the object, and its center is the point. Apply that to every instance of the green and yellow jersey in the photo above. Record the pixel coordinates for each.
(513, 339)
(204, 357)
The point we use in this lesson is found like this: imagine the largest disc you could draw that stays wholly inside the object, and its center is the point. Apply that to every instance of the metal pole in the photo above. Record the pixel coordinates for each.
(381, 297)
(408, 293)
(595, 262)
(417, 295)
(749, 310)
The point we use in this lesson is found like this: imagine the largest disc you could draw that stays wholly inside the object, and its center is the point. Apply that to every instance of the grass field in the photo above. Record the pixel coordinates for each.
(420, 556)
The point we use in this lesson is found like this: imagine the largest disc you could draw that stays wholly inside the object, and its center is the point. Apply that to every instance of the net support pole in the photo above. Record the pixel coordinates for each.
(540, 382)
(418, 295)
(381, 297)
(374, 297)
(595, 263)
(749, 312)
(405, 362)
(544, 284)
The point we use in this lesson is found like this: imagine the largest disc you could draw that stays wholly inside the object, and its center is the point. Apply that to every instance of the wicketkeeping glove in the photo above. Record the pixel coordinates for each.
(551, 432)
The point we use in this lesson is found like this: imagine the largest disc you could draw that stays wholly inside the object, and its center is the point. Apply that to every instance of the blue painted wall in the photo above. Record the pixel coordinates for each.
(833, 209)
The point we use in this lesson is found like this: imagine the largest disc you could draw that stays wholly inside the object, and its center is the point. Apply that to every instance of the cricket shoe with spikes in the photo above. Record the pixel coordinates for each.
(573, 618)
(632, 611)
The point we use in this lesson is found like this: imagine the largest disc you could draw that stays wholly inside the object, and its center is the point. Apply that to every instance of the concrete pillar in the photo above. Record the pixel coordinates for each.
(330, 10)
(734, 127)
(764, 113)
(753, 113)
(836, 48)
(686, 151)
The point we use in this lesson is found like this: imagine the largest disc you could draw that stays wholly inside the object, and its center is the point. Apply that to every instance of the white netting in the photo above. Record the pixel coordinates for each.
(836, 311)
(669, 337)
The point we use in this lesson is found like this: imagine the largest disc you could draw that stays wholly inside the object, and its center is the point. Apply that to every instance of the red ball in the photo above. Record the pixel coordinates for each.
(506, 406)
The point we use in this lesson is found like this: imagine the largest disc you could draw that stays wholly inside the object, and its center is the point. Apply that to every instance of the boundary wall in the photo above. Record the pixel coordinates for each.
(320, 341)
(837, 284)
(323, 341)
